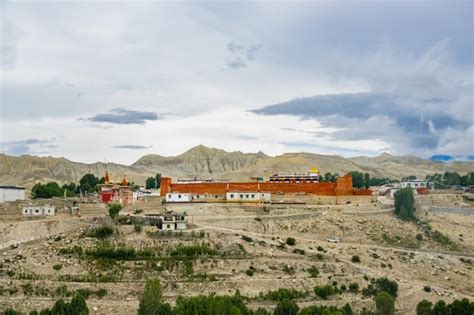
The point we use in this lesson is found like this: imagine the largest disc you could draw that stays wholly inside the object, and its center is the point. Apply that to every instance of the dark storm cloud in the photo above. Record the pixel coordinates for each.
(122, 116)
(131, 147)
(407, 122)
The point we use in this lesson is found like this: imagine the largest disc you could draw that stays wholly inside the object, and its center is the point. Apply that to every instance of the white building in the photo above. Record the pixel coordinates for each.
(415, 184)
(249, 197)
(169, 221)
(38, 210)
(178, 197)
(12, 193)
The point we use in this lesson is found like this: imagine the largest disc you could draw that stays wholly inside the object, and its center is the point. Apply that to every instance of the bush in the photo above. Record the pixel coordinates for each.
(321, 249)
(419, 237)
(324, 291)
(151, 301)
(250, 272)
(138, 228)
(353, 287)
(283, 294)
(404, 204)
(247, 239)
(289, 269)
(114, 210)
(101, 232)
(381, 285)
(355, 259)
(57, 267)
(384, 304)
(286, 307)
(427, 288)
(313, 271)
(290, 241)
(424, 308)
(458, 307)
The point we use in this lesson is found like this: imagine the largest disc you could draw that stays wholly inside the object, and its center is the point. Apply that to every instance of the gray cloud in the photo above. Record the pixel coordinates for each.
(236, 64)
(27, 146)
(241, 55)
(406, 122)
(122, 116)
(132, 147)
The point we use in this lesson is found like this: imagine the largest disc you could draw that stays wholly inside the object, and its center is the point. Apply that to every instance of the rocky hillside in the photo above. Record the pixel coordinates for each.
(204, 162)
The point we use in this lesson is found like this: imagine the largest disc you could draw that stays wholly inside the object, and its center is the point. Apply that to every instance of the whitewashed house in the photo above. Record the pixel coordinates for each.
(12, 193)
(169, 221)
(415, 184)
(44, 210)
(257, 197)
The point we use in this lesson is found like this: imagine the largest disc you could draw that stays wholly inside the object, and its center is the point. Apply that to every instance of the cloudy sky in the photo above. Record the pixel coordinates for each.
(110, 80)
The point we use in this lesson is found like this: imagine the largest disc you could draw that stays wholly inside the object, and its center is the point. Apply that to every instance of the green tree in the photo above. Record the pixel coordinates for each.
(424, 308)
(409, 178)
(367, 180)
(357, 179)
(286, 307)
(384, 304)
(151, 301)
(78, 305)
(48, 190)
(158, 180)
(404, 204)
(150, 183)
(114, 210)
(88, 183)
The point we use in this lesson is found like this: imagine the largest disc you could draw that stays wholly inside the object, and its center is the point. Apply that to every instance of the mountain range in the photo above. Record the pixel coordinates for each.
(204, 162)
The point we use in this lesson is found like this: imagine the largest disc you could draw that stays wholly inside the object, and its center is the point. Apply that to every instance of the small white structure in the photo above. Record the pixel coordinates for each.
(12, 193)
(178, 197)
(44, 210)
(171, 221)
(415, 184)
(249, 197)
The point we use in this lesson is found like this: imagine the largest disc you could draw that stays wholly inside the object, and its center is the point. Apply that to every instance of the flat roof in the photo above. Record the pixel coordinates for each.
(11, 187)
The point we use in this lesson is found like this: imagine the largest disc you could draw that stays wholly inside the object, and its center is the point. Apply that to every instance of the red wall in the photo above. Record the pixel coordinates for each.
(342, 187)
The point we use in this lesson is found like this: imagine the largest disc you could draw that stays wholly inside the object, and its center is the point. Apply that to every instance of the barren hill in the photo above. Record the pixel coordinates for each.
(204, 162)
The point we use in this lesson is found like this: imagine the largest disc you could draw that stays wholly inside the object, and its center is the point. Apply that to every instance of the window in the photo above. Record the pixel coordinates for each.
(231, 195)
(37, 211)
(247, 196)
(169, 196)
(179, 196)
(241, 196)
(168, 226)
(216, 196)
(253, 196)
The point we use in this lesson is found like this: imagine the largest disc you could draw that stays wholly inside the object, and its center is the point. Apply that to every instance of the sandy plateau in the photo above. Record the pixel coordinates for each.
(245, 238)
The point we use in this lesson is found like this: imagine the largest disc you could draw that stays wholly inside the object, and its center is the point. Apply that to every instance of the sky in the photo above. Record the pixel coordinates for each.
(109, 80)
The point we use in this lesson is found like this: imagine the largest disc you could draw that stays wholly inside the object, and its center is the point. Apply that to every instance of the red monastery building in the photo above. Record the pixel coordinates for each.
(342, 187)
(110, 192)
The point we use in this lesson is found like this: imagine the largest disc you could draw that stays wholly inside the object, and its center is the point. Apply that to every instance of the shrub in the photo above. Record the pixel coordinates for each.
(247, 239)
(404, 204)
(151, 301)
(324, 291)
(286, 307)
(381, 285)
(299, 251)
(313, 271)
(321, 249)
(114, 210)
(427, 288)
(193, 250)
(57, 267)
(353, 287)
(289, 269)
(424, 308)
(419, 237)
(283, 294)
(384, 304)
(355, 259)
(250, 272)
(290, 241)
(101, 232)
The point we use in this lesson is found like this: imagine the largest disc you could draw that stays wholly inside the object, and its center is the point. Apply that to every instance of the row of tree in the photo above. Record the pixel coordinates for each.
(359, 180)
(449, 179)
(153, 182)
(87, 184)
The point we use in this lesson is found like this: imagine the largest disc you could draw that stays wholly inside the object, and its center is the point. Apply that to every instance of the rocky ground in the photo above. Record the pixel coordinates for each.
(39, 260)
